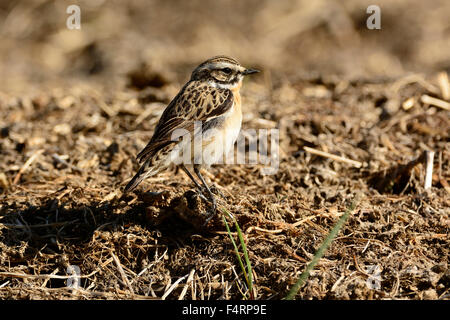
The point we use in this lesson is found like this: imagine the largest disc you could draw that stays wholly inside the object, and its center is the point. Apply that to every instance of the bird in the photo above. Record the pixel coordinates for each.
(199, 126)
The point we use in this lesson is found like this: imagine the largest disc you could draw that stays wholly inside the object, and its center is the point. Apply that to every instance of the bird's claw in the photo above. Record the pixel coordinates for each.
(202, 196)
(210, 214)
(214, 190)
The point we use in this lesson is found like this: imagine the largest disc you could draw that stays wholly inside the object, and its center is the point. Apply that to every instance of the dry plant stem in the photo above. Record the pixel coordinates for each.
(41, 276)
(354, 163)
(42, 225)
(64, 162)
(27, 164)
(122, 273)
(188, 282)
(172, 287)
(429, 169)
(444, 85)
(293, 225)
(435, 102)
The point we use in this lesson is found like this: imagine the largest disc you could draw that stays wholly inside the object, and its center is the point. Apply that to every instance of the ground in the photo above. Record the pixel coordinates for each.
(72, 124)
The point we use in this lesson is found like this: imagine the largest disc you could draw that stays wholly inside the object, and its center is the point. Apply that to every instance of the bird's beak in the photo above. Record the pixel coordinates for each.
(249, 71)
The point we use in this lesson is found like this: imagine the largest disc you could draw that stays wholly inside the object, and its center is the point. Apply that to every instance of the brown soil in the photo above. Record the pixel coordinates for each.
(76, 108)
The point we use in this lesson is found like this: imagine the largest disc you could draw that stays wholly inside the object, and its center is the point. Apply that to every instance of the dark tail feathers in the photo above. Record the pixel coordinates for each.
(137, 179)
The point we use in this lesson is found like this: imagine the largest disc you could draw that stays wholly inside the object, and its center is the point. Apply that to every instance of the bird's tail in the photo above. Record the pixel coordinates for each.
(144, 171)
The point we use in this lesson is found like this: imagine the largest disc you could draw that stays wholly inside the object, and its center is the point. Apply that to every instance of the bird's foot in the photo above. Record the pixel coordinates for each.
(213, 210)
(211, 213)
(202, 195)
(217, 191)
(214, 189)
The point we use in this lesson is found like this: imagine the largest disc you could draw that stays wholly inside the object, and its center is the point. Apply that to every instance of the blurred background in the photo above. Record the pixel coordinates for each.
(284, 37)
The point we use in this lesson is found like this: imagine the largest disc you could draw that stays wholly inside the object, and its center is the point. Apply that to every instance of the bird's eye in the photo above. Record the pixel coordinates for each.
(226, 70)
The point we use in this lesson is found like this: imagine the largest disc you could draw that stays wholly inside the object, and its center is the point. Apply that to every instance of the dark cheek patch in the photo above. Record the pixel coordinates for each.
(222, 78)
(218, 76)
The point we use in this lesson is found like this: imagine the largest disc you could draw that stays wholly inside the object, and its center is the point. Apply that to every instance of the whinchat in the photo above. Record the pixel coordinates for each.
(199, 126)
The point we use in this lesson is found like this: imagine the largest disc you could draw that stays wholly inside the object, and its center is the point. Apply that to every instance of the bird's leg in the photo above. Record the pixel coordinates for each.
(201, 189)
(211, 195)
(195, 181)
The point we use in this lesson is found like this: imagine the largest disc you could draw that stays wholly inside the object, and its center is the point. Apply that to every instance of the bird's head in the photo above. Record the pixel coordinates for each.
(221, 72)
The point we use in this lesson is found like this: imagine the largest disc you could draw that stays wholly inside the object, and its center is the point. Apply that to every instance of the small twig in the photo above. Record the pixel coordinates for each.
(27, 164)
(334, 157)
(435, 102)
(338, 281)
(414, 78)
(429, 169)
(240, 285)
(250, 229)
(122, 273)
(287, 226)
(445, 184)
(85, 292)
(188, 282)
(4, 183)
(359, 268)
(444, 85)
(44, 284)
(42, 225)
(373, 241)
(396, 286)
(172, 287)
(60, 160)
(408, 104)
(42, 276)
(107, 109)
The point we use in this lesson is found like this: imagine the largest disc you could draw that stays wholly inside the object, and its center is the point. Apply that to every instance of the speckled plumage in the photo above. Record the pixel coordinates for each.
(210, 96)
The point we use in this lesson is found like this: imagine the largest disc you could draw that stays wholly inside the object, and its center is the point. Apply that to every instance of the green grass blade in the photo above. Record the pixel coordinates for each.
(247, 260)
(320, 252)
(248, 275)
(236, 250)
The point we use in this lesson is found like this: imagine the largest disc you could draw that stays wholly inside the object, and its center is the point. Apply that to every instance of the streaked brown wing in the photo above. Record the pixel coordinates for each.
(195, 102)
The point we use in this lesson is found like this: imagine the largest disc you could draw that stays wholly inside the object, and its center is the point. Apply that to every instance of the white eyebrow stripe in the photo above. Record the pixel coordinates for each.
(221, 65)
